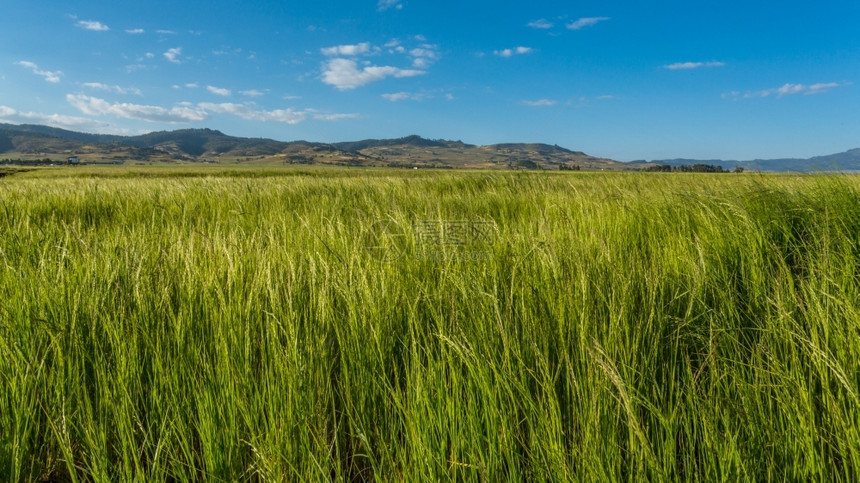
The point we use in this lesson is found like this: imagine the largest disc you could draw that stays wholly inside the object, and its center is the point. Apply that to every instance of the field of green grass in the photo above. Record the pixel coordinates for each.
(307, 324)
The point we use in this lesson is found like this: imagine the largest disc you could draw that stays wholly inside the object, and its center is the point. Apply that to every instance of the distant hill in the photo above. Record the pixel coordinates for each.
(413, 140)
(207, 145)
(207, 142)
(845, 161)
(61, 133)
(29, 142)
(183, 144)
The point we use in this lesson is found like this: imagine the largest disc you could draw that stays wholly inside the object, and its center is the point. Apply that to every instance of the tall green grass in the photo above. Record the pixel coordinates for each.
(232, 326)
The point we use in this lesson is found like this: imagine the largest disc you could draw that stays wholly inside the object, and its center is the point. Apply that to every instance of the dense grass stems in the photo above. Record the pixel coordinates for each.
(353, 325)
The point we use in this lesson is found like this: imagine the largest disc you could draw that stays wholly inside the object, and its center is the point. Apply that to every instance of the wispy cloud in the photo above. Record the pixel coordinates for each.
(585, 22)
(117, 89)
(92, 25)
(514, 51)
(253, 93)
(822, 87)
(50, 76)
(345, 74)
(219, 91)
(180, 113)
(787, 90)
(173, 54)
(227, 51)
(540, 24)
(384, 5)
(693, 65)
(404, 96)
(251, 112)
(165, 32)
(541, 103)
(135, 31)
(424, 55)
(323, 116)
(587, 101)
(248, 111)
(397, 96)
(351, 50)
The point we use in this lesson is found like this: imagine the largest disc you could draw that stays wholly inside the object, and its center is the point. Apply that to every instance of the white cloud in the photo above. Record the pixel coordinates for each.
(149, 55)
(384, 5)
(192, 85)
(585, 22)
(510, 52)
(84, 124)
(692, 65)
(344, 74)
(541, 103)
(165, 32)
(822, 87)
(50, 76)
(173, 54)
(235, 51)
(332, 117)
(246, 111)
(219, 91)
(252, 93)
(289, 116)
(134, 31)
(424, 55)
(356, 49)
(787, 90)
(92, 25)
(540, 24)
(180, 113)
(403, 96)
(397, 96)
(117, 89)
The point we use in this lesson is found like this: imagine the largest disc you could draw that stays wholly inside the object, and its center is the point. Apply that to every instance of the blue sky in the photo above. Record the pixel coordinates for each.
(620, 79)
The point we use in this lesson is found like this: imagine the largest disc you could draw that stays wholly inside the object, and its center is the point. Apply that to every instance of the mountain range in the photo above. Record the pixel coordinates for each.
(28, 142)
(848, 161)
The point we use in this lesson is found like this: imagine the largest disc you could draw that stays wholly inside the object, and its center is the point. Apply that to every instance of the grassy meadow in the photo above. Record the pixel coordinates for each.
(263, 324)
